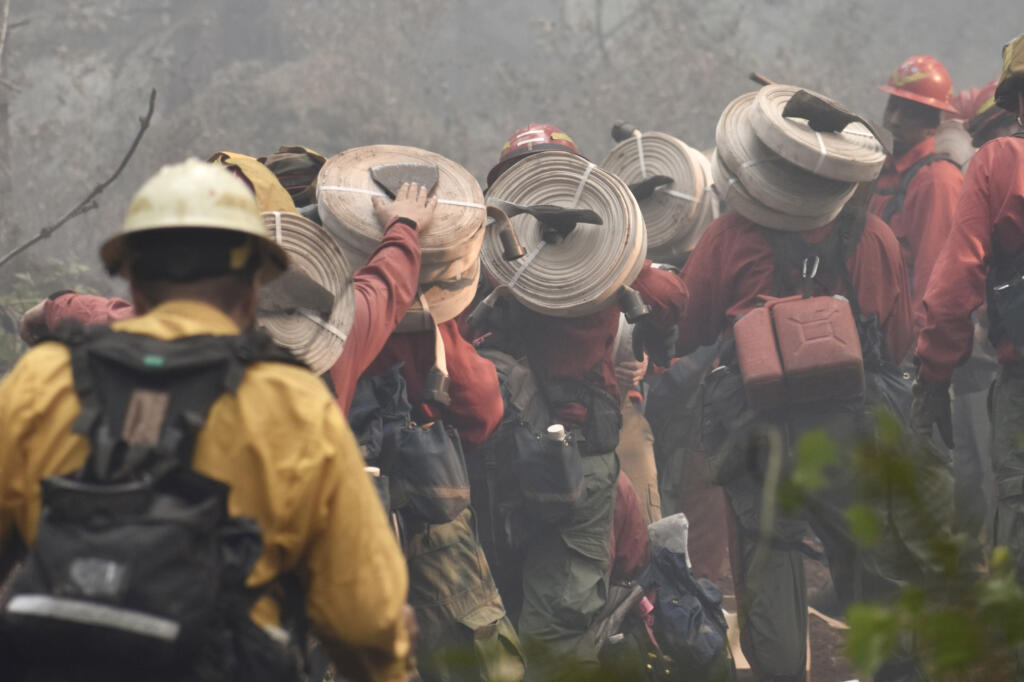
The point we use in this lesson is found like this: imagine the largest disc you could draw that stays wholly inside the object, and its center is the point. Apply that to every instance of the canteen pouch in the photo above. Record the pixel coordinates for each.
(429, 471)
(799, 350)
(550, 473)
(1005, 288)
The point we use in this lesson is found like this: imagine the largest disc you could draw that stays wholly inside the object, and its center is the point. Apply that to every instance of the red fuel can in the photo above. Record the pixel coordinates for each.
(758, 356)
(819, 347)
(799, 350)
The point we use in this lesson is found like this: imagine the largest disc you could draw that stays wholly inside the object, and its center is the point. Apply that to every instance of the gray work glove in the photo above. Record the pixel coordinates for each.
(931, 407)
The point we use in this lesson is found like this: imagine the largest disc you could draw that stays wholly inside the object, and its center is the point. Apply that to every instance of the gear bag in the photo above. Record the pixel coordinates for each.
(1005, 289)
(137, 570)
(689, 626)
(422, 465)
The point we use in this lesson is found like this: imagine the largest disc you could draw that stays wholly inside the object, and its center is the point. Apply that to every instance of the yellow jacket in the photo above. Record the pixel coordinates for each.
(291, 461)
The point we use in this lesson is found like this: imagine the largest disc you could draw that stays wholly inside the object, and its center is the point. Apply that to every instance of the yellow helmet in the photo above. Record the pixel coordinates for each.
(1011, 81)
(270, 193)
(194, 194)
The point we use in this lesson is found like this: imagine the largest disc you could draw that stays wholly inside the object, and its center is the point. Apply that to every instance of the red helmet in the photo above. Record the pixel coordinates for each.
(963, 102)
(924, 80)
(536, 137)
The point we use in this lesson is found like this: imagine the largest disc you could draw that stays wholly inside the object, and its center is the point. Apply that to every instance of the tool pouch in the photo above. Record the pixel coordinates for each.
(550, 473)
(1005, 289)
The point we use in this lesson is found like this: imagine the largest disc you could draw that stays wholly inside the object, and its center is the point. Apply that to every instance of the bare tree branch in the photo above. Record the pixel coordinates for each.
(89, 203)
(4, 14)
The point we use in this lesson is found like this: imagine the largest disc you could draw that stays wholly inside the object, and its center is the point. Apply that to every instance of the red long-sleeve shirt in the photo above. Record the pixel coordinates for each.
(924, 222)
(476, 406)
(384, 289)
(989, 220)
(733, 265)
(86, 309)
(582, 347)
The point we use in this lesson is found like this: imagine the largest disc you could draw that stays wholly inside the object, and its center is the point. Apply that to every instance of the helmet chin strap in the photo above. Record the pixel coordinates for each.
(1020, 109)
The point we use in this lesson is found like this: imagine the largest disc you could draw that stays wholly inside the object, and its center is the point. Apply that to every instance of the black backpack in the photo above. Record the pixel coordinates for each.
(137, 570)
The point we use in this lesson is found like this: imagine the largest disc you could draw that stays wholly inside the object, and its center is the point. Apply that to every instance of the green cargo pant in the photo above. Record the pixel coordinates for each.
(772, 593)
(464, 633)
(566, 568)
(1008, 462)
(1008, 469)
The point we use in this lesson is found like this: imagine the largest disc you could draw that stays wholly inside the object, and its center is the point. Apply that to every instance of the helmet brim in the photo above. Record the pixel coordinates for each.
(920, 99)
(114, 254)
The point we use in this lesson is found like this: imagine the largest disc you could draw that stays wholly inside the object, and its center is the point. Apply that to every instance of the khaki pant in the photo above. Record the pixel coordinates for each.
(636, 456)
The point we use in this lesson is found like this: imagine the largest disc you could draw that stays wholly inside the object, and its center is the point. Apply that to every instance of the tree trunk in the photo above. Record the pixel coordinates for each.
(8, 231)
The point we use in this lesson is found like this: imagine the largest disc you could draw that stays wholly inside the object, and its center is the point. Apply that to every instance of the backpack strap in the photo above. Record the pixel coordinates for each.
(144, 400)
(899, 191)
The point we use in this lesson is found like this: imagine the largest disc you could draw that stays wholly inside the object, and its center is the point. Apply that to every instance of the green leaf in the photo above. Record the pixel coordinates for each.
(873, 636)
(890, 428)
(864, 524)
(814, 453)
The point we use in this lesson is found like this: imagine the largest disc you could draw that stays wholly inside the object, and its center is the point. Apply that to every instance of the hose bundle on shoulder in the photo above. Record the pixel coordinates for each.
(314, 338)
(581, 273)
(675, 213)
(450, 248)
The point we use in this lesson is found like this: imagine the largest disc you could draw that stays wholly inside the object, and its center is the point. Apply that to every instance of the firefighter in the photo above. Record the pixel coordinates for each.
(988, 120)
(982, 261)
(451, 588)
(567, 565)
(195, 253)
(734, 264)
(917, 190)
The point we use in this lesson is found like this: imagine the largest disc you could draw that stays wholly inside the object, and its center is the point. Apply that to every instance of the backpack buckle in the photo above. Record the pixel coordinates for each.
(435, 387)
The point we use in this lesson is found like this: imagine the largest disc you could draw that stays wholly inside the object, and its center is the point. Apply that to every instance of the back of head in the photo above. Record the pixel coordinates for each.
(192, 222)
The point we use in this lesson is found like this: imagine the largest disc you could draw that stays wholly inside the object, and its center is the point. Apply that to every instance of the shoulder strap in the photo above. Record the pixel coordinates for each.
(144, 400)
(830, 256)
(435, 387)
(899, 192)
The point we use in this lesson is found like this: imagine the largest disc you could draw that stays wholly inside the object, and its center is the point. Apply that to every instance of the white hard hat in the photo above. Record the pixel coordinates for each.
(194, 194)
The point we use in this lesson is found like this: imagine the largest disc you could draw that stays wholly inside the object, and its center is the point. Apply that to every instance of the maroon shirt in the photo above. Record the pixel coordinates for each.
(989, 221)
(476, 406)
(733, 266)
(926, 218)
(582, 347)
(384, 289)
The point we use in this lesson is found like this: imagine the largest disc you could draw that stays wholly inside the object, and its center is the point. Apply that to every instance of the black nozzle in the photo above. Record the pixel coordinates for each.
(632, 304)
(622, 131)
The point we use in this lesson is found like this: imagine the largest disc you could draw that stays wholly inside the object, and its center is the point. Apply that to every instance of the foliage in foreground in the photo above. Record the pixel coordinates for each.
(960, 619)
